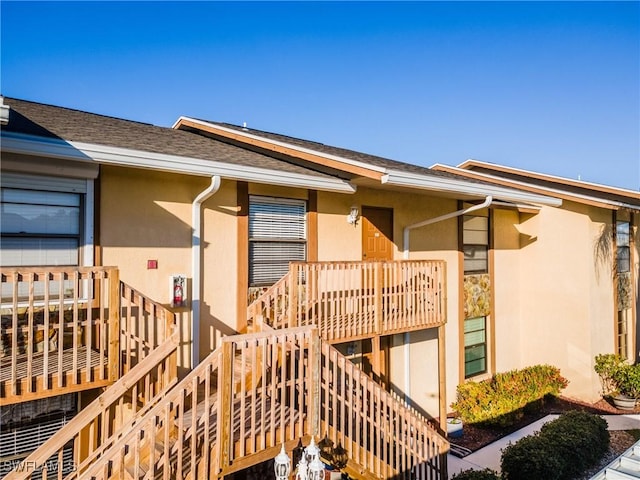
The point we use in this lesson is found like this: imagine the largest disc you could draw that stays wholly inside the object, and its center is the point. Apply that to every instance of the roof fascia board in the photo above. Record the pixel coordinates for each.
(108, 155)
(471, 163)
(347, 165)
(573, 197)
(449, 185)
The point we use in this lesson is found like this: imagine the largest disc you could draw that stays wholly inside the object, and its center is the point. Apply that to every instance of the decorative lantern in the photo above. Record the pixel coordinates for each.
(302, 471)
(282, 465)
(326, 449)
(312, 452)
(340, 457)
(316, 469)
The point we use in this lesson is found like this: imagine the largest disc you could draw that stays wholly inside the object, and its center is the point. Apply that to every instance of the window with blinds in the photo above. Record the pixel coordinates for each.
(475, 239)
(277, 236)
(623, 252)
(40, 227)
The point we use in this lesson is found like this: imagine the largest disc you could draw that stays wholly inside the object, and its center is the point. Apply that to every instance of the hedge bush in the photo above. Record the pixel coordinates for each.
(502, 400)
(562, 450)
(486, 474)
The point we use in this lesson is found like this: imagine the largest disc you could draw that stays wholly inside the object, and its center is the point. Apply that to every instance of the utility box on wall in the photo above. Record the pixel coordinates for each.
(178, 292)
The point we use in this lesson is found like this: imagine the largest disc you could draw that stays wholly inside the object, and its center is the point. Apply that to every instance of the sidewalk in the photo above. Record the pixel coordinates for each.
(489, 456)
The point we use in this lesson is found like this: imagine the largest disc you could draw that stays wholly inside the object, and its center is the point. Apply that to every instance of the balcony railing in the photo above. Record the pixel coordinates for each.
(66, 329)
(349, 300)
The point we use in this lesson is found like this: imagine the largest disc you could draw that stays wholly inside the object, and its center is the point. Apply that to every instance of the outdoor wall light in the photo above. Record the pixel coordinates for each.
(282, 465)
(352, 218)
(310, 467)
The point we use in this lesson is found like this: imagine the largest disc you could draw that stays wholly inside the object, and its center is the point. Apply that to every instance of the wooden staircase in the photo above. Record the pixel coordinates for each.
(259, 391)
(254, 393)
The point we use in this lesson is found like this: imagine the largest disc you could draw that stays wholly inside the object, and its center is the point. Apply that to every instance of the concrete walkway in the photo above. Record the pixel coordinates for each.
(489, 456)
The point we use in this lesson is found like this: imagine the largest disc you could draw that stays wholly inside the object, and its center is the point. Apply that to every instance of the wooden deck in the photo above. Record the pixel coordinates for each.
(79, 368)
(353, 300)
(67, 329)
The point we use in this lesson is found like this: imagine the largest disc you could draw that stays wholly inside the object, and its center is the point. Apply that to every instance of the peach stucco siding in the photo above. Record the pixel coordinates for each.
(564, 297)
(553, 297)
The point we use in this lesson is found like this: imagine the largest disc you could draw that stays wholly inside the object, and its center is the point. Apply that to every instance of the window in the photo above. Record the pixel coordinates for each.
(623, 259)
(40, 227)
(622, 335)
(475, 346)
(277, 236)
(475, 239)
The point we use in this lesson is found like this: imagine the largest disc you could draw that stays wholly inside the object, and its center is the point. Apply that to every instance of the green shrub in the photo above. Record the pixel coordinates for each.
(501, 400)
(562, 450)
(470, 474)
(606, 366)
(627, 380)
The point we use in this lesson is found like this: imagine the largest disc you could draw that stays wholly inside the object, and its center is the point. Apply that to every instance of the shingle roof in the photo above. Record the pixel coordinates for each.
(341, 152)
(49, 121)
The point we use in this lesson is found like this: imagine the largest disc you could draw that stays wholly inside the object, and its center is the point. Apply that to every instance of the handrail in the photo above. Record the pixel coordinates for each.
(243, 393)
(273, 304)
(144, 324)
(382, 433)
(349, 300)
(161, 364)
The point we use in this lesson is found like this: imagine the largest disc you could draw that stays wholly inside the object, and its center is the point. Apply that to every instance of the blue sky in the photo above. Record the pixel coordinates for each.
(546, 86)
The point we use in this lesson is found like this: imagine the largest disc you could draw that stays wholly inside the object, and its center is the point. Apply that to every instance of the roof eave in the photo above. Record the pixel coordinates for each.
(574, 197)
(345, 164)
(449, 185)
(108, 155)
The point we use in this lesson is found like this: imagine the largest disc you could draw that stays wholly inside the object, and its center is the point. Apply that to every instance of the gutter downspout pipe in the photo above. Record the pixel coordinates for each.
(405, 246)
(196, 262)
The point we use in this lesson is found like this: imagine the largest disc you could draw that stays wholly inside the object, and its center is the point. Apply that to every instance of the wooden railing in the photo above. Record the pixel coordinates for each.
(349, 300)
(59, 331)
(381, 433)
(144, 325)
(106, 419)
(259, 391)
(67, 329)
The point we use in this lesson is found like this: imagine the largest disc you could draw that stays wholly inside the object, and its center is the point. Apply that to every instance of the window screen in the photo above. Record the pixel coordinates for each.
(475, 346)
(475, 239)
(277, 236)
(40, 227)
(622, 243)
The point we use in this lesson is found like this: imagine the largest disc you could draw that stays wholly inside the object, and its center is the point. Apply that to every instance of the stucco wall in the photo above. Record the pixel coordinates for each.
(146, 215)
(553, 302)
(507, 286)
(566, 295)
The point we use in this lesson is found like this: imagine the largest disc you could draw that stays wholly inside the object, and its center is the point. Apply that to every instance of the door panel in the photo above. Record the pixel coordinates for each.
(377, 233)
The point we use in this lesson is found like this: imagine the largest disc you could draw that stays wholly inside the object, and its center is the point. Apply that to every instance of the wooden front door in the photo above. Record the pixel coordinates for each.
(377, 233)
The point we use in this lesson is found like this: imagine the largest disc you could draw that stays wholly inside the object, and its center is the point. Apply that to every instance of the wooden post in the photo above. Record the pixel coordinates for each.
(293, 294)
(376, 363)
(170, 330)
(315, 357)
(114, 324)
(442, 378)
(378, 293)
(224, 423)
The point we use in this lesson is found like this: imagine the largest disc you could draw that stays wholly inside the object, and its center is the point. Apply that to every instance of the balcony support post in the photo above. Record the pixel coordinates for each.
(442, 378)
(114, 357)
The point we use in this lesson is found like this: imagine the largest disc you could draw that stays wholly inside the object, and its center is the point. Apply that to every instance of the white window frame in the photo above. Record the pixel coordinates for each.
(295, 237)
(83, 186)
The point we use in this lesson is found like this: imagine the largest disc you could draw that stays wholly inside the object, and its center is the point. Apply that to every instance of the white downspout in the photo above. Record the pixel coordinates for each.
(196, 261)
(405, 247)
